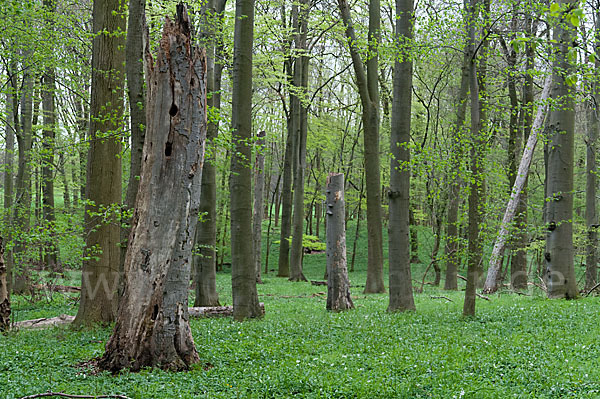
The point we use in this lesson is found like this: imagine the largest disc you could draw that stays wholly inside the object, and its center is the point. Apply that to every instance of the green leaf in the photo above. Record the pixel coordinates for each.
(575, 21)
(554, 8)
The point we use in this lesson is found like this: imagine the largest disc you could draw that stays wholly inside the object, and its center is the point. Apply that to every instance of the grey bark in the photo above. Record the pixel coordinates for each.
(591, 217)
(134, 69)
(338, 285)
(491, 283)
(243, 273)
(401, 292)
(152, 327)
(452, 229)
(258, 207)
(48, 143)
(299, 116)
(559, 274)
(100, 276)
(205, 265)
(12, 126)
(368, 89)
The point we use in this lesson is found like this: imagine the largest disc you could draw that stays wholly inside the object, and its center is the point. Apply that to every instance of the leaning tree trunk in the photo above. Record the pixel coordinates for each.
(4, 292)
(338, 285)
(492, 280)
(258, 208)
(152, 327)
(560, 273)
(100, 277)
(243, 273)
(401, 292)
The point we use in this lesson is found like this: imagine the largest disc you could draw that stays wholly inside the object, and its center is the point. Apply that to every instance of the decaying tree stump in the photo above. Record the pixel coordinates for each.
(152, 327)
(4, 292)
(338, 285)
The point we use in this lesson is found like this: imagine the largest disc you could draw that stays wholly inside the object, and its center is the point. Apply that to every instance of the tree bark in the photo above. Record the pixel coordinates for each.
(591, 218)
(300, 127)
(100, 274)
(258, 208)
(491, 282)
(152, 327)
(134, 68)
(452, 229)
(48, 143)
(11, 130)
(243, 273)
(401, 292)
(369, 94)
(560, 273)
(338, 285)
(205, 265)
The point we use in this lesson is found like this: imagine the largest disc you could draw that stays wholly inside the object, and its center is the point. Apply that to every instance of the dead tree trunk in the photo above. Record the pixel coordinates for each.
(258, 210)
(152, 327)
(491, 282)
(338, 285)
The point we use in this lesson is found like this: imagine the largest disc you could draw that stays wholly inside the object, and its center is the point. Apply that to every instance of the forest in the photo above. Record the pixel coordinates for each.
(299, 198)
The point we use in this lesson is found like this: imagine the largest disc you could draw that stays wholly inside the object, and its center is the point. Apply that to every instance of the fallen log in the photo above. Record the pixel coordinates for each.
(57, 288)
(216, 311)
(45, 322)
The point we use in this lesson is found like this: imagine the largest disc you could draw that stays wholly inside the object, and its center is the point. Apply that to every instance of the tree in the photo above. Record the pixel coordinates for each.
(258, 206)
(243, 274)
(560, 273)
(338, 285)
(299, 128)
(401, 295)
(134, 69)
(152, 327)
(205, 265)
(100, 273)
(4, 292)
(48, 143)
(368, 89)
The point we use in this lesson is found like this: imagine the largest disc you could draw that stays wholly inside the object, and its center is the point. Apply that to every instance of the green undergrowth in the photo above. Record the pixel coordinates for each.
(517, 346)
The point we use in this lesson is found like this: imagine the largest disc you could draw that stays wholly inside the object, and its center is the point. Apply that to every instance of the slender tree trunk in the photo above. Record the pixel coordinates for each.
(152, 327)
(243, 270)
(560, 273)
(12, 128)
(66, 190)
(100, 276)
(369, 94)
(414, 238)
(476, 191)
(258, 208)
(491, 283)
(300, 125)
(454, 178)
(338, 285)
(591, 218)
(401, 292)
(205, 265)
(48, 143)
(22, 208)
(134, 68)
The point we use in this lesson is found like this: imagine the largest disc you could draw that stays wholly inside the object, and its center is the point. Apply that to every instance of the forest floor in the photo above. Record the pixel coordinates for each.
(517, 346)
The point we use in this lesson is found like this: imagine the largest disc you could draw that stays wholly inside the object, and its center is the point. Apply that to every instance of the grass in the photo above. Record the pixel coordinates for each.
(521, 347)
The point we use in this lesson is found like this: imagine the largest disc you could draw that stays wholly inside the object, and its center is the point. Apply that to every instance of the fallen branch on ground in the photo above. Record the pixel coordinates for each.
(441, 297)
(45, 322)
(482, 297)
(216, 311)
(592, 289)
(65, 395)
